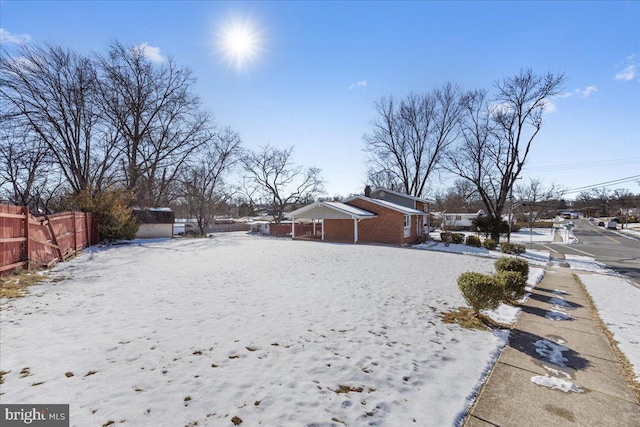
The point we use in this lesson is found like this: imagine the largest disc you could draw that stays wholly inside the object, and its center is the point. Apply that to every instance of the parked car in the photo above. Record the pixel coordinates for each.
(601, 224)
(612, 225)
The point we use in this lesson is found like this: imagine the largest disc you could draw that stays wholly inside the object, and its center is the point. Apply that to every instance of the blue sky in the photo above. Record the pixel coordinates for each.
(322, 65)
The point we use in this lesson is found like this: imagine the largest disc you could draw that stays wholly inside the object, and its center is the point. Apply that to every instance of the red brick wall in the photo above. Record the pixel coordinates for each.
(387, 227)
(339, 230)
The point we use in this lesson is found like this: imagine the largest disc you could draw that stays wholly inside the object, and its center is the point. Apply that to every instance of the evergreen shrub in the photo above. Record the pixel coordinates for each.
(480, 291)
(518, 265)
(473, 241)
(513, 284)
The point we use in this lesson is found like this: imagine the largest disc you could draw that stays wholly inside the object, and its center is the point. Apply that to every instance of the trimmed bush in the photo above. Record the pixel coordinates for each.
(513, 248)
(457, 238)
(480, 291)
(515, 228)
(513, 284)
(473, 241)
(518, 265)
(490, 244)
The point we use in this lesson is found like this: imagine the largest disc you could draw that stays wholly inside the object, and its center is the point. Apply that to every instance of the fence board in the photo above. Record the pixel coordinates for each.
(26, 239)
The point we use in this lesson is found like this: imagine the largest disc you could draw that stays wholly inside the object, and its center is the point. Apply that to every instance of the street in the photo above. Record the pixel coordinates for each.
(618, 251)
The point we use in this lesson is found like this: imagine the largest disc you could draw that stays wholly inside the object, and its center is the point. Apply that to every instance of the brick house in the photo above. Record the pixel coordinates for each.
(367, 220)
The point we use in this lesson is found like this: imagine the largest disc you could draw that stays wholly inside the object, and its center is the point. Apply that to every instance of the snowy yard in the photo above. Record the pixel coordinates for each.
(269, 331)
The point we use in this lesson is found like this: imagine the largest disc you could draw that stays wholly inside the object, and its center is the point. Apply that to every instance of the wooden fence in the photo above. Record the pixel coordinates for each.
(27, 240)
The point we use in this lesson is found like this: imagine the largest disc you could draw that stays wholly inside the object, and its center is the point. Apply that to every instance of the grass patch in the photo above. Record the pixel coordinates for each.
(627, 367)
(2, 374)
(342, 388)
(466, 318)
(16, 284)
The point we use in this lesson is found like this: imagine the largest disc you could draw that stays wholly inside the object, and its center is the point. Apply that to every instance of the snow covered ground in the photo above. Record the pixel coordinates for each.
(271, 331)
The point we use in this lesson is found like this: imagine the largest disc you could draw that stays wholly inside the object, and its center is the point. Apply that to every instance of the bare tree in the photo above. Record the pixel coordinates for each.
(460, 197)
(51, 92)
(271, 177)
(409, 138)
(26, 177)
(157, 118)
(497, 135)
(535, 200)
(203, 187)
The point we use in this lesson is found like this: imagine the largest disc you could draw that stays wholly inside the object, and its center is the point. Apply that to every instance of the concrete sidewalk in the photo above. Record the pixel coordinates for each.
(573, 354)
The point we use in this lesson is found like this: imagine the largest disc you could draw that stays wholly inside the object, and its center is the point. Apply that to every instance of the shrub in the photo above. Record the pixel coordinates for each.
(473, 241)
(490, 244)
(515, 228)
(513, 248)
(457, 238)
(518, 265)
(480, 291)
(513, 284)
(110, 207)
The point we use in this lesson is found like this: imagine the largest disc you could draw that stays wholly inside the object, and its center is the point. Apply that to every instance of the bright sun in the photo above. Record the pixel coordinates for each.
(240, 43)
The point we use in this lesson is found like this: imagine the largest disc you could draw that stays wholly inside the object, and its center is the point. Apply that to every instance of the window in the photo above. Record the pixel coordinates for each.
(407, 221)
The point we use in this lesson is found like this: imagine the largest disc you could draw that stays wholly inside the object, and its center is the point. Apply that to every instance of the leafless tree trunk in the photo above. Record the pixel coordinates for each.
(496, 136)
(204, 190)
(51, 93)
(409, 138)
(157, 117)
(271, 177)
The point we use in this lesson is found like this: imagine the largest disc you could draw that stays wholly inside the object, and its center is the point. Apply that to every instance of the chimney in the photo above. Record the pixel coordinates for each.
(367, 191)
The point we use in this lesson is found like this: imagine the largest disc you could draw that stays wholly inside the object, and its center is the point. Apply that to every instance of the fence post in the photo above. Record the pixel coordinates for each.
(27, 246)
(75, 235)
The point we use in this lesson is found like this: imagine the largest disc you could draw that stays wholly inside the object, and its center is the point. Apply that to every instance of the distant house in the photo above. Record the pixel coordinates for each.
(368, 219)
(154, 222)
(262, 227)
(459, 221)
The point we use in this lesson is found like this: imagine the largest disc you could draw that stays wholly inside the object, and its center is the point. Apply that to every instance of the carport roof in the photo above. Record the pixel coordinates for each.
(331, 210)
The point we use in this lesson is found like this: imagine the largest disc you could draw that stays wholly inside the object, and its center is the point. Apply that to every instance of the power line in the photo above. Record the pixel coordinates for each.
(585, 165)
(603, 184)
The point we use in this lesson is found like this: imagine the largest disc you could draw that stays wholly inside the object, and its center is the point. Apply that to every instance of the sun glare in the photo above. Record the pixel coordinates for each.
(240, 43)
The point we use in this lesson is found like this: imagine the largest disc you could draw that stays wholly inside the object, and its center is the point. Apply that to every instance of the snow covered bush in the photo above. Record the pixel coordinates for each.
(518, 265)
(490, 244)
(473, 241)
(480, 291)
(513, 284)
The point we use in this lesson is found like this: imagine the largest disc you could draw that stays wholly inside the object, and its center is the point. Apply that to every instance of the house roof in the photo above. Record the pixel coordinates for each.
(331, 210)
(393, 206)
(406, 196)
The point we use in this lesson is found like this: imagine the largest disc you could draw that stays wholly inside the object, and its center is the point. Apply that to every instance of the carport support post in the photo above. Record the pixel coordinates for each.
(355, 230)
(293, 227)
(322, 228)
